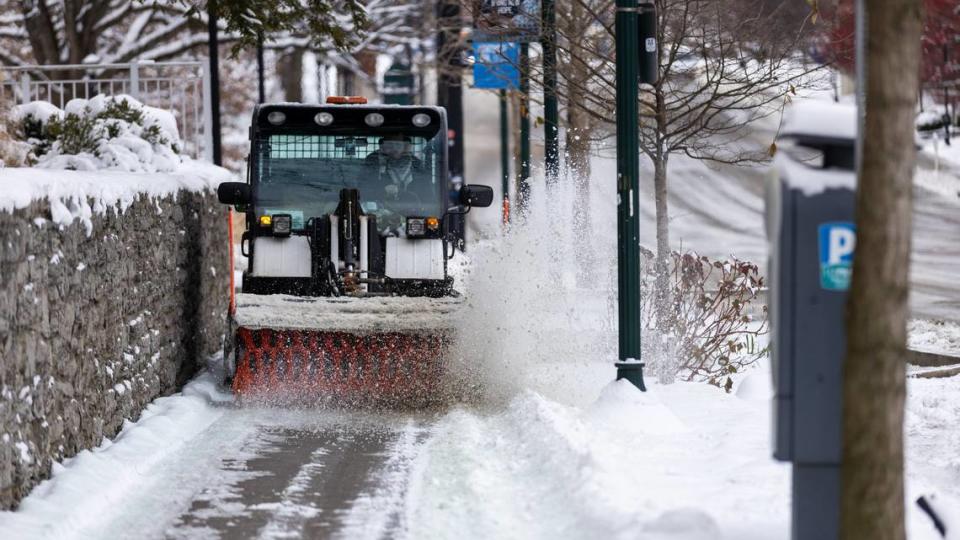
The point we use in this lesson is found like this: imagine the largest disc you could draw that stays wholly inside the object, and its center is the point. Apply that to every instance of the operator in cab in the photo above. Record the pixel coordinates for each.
(395, 165)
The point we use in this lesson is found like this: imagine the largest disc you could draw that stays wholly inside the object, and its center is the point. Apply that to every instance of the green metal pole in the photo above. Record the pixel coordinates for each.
(523, 180)
(551, 133)
(505, 156)
(630, 366)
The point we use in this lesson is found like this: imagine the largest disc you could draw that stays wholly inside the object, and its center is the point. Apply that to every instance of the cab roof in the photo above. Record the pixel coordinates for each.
(300, 117)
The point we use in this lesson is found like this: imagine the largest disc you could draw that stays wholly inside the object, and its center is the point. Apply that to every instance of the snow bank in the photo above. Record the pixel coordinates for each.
(932, 459)
(623, 407)
(757, 385)
(85, 488)
(939, 337)
(684, 461)
(81, 194)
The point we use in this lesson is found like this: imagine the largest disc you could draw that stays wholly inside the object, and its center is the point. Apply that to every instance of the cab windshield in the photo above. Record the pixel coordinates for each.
(397, 175)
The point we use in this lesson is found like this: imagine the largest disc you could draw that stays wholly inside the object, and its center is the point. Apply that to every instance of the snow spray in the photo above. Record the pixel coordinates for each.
(541, 301)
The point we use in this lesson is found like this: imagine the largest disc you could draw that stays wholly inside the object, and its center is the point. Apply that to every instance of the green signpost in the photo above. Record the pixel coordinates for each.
(523, 178)
(628, 65)
(551, 134)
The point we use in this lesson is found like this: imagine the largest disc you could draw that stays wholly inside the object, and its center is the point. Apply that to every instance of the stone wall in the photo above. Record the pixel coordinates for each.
(95, 326)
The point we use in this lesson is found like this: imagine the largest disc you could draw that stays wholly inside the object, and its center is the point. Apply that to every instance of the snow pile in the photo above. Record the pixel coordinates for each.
(89, 485)
(105, 132)
(932, 460)
(939, 337)
(757, 385)
(943, 155)
(629, 465)
(622, 407)
(81, 194)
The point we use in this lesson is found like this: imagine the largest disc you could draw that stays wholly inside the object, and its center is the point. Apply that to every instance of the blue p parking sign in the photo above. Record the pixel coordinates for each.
(837, 241)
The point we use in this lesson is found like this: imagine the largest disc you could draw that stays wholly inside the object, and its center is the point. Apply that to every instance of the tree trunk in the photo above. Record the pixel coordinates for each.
(661, 289)
(872, 504)
(578, 141)
(515, 112)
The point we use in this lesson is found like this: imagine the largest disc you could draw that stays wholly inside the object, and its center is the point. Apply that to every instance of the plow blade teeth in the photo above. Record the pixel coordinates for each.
(340, 366)
(342, 350)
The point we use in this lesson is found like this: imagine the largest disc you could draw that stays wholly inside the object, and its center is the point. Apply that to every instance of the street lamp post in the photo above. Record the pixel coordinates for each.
(523, 178)
(213, 48)
(551, 115)
(629, 366)
(261, 83)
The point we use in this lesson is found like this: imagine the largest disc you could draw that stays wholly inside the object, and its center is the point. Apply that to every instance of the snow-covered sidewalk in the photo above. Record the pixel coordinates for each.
(94, 485)
(684, 461)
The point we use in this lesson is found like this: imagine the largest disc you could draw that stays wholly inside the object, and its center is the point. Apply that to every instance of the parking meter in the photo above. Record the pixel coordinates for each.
(809, 219)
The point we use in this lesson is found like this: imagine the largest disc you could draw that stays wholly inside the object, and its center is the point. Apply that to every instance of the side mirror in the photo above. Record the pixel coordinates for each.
(476, 195)
(234, 193)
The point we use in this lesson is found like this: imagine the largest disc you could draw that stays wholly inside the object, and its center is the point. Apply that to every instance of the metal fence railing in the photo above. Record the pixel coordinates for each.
(182, 88)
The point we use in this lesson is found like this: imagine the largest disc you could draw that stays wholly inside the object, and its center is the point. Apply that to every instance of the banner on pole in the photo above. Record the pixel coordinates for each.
(496, 65)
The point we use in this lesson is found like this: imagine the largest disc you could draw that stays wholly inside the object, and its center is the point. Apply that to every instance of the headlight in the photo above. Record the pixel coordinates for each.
(374, 119)
(323, 118)
(416, 227)
(282, 224)
(421, 120)
(276, 118)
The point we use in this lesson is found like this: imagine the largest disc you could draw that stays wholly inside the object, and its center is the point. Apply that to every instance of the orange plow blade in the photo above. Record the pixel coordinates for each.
(357, 350)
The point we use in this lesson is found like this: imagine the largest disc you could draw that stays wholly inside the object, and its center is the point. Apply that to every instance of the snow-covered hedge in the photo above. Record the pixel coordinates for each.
(105, 132)
(931, 121)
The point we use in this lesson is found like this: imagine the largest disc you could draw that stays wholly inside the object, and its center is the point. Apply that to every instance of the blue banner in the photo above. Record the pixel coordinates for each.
(495, 65)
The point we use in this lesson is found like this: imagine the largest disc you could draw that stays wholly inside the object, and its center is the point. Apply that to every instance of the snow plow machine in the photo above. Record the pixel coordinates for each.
(346, 296)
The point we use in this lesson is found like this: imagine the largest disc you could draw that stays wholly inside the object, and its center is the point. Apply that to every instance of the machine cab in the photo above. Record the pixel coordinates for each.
(348, 198)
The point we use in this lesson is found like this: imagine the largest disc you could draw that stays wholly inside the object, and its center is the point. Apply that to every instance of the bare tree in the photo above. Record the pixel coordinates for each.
(874, 384)
(110, 31)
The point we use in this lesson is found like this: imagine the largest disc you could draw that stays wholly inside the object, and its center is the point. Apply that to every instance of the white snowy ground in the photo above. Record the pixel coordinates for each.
(683, 461)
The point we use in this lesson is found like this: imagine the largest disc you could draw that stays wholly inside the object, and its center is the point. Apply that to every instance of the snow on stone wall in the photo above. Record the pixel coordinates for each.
(99, 315)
